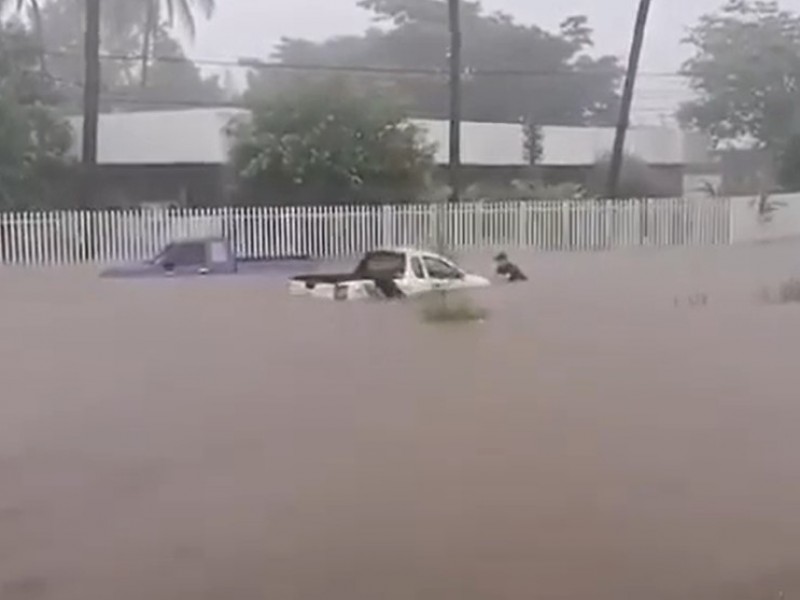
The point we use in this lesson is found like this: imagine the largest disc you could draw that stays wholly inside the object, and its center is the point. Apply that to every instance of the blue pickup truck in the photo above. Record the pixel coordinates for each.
(202, 257)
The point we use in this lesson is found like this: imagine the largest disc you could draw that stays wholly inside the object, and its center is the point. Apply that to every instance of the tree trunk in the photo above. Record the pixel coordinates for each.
(38, 32)
(150, 23)
(91, 99)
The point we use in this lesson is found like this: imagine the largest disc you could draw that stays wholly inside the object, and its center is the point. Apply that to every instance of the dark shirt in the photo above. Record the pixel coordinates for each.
(511, 271)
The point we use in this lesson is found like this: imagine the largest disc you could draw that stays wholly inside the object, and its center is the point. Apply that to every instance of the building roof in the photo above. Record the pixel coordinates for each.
(198, 136)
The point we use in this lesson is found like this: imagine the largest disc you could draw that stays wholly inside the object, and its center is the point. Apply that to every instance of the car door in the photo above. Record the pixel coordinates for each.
(443, 276)
(416, 280)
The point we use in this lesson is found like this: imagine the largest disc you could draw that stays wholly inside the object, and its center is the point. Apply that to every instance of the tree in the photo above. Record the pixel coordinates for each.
(174, 81)
(329, 142)
(745, 72)
(566, 87)
(36, 20)
(20, 71)
(180, 11)
(636, 179)
(534, 143)
(34, 141)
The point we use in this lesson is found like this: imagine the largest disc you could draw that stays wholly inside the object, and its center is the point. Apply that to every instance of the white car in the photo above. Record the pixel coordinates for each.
(389, 274)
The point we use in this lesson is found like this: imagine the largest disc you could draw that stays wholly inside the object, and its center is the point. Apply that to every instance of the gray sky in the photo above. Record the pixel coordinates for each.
(251, 27)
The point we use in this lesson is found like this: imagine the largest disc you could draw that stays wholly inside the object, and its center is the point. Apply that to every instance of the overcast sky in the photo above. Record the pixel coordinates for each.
(251, 27)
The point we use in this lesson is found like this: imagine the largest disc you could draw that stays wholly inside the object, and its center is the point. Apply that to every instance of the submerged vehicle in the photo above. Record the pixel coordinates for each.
(389, 274)
(200, 256)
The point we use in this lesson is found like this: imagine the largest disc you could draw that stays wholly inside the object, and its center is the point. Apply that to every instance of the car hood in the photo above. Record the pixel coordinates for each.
(472, 280)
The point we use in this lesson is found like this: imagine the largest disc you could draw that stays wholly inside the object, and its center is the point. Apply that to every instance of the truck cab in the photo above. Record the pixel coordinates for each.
(196, 257)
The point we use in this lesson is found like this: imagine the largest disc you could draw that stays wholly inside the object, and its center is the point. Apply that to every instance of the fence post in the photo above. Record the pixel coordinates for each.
(521, 223)
(387, 226)
(565, 225)
(644, 221)
(731, 221)
(480, 235)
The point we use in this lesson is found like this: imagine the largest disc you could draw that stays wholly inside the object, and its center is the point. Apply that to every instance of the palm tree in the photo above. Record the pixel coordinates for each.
(36, 23)
(181, 12)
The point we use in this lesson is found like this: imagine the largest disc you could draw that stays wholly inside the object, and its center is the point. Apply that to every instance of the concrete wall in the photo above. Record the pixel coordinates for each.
(583, 146)
(198, 136)
(779, 220)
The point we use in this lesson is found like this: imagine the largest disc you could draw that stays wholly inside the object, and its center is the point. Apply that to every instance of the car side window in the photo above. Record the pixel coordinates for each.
(416, 268)
(438, 269)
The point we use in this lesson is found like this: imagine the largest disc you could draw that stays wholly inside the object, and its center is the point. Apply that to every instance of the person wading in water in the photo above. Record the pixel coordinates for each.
(505, 268)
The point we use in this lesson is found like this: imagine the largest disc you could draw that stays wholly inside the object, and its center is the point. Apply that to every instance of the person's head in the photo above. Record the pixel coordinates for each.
(501, 258)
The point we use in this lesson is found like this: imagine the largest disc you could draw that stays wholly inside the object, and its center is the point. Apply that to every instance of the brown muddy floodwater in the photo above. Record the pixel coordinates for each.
(216, 439)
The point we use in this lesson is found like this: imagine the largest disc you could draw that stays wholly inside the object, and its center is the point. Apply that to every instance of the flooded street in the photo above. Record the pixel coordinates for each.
(217, 439)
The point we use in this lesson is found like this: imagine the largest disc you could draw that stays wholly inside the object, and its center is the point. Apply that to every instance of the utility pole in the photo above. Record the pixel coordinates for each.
(91, 100)
(455, 100)
(627, 98)
(91, 110)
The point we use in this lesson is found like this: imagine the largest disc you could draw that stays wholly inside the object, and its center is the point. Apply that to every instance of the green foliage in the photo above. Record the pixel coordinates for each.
(329, 142)
(534, 141)
(152, 25)
(789, 168)
(520, 189)
(33, 141)
(637, 179)
(745, 71)
(21, 77)
(571, 88)
(173, 82)
(164, 12)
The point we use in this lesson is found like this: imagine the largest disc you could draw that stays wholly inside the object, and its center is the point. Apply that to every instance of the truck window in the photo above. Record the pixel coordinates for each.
(185, 254)
(438, 269)
(416, 267)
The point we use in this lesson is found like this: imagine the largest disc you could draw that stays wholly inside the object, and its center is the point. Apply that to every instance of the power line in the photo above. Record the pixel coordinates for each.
(641, 104)
(125, 99)
(259, 65)
(138, 100)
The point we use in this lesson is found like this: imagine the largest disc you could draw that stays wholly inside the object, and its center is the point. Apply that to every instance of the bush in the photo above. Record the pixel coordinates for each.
(636, 179)
(329, 142)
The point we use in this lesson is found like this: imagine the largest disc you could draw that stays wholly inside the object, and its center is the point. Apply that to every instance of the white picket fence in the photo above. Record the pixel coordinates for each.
(109, 236)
